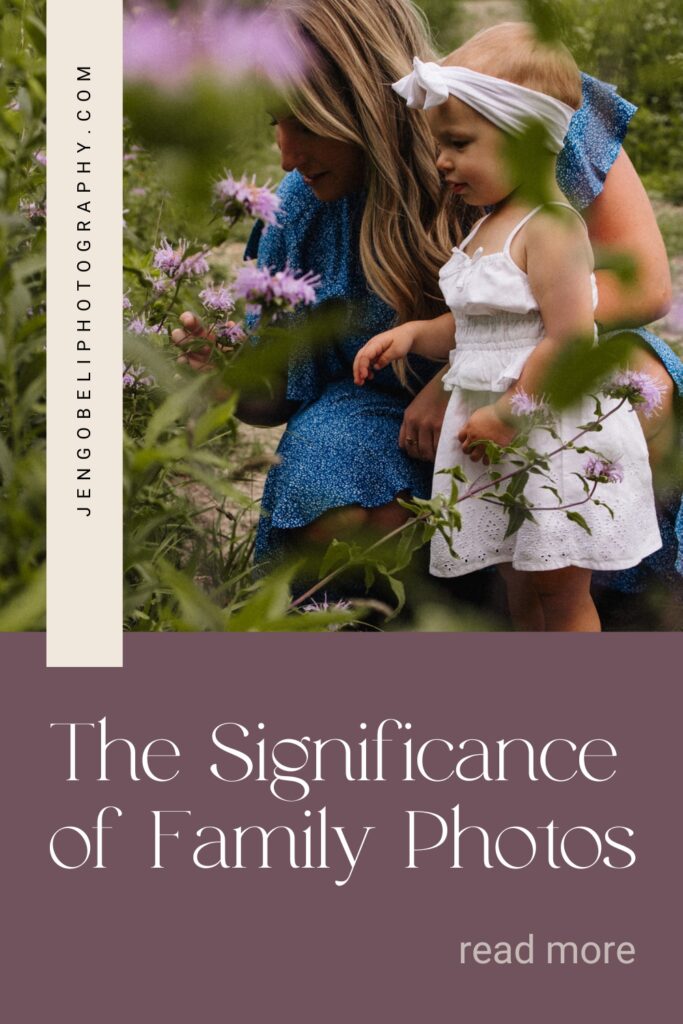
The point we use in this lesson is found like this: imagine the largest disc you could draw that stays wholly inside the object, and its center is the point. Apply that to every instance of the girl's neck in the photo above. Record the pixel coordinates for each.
(518, 201)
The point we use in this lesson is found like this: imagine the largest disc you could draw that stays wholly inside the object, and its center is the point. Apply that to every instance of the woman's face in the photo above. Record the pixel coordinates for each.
(331, 168)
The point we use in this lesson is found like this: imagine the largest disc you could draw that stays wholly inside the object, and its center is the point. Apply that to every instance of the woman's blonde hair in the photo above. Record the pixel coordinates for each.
(512, 51)
(358, 48)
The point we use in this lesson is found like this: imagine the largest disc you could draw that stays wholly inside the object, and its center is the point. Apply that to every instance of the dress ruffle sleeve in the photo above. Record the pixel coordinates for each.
(593, 141)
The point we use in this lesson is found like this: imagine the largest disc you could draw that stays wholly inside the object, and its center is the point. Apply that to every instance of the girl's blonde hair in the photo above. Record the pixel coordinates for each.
(512, 51)
(358, 48)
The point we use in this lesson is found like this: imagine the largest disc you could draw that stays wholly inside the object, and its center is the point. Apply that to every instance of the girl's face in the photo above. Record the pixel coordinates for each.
(331, 168)
(470, 156)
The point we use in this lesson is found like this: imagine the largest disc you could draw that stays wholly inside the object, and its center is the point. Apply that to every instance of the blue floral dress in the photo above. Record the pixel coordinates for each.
(341, 445)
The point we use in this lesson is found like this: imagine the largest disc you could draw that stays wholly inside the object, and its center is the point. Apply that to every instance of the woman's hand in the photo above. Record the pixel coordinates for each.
(383, 349)
(485, 424)
(422, 420)
(198, 357)
(269, 407)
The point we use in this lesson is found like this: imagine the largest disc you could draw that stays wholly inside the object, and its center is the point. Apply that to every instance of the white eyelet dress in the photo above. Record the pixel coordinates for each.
(498, 325)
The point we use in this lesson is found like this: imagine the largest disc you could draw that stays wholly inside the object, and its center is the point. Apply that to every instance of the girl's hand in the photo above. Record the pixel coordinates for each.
(381, 350)
(484, 424)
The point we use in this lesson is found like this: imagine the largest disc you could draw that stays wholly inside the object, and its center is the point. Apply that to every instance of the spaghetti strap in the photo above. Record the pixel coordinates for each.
(518, 227)
(473, 232)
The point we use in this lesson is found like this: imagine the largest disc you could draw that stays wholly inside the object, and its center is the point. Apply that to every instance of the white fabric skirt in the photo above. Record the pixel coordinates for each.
(552, 541)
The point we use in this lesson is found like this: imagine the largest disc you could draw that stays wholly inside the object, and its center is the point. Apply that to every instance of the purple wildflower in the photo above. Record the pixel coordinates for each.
(161, 285)
(137, 325)
(217, 298)
(173, 263)
(13, 105)
(523, 404)
(170, 48)
(325, 605)
(251, 281)
(239, 197)
(138, 192)
(279, 292)
(233, 334)
(639, 388)
(168, 259)
(137, 377)
(40, 158)
(127, 304)
(265, 205)
(196, 265)
(296, 290)
(35, 212)
(603, 471)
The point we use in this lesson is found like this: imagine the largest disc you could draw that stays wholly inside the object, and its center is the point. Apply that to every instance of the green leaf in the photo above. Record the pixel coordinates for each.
(603, 504)
(197, 609)
(173, 409)
(518, 516)
(29, 266)
(456, 472)
(267, 607)
(338, 553)
(576, 517)
(6, 464)
(553, 491)
(398, 590)
(621, 264)
(584, 482)
(581, 365)
(530, 161)
(547, 18)
(26, 610)
(213, 419)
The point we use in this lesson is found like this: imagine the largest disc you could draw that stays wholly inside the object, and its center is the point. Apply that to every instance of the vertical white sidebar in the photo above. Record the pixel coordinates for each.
(84, 347)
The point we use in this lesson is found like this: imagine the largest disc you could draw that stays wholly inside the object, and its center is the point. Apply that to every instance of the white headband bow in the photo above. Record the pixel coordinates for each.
(508, 106)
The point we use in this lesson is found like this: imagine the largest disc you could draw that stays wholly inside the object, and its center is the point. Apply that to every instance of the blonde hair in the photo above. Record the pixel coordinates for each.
(359, 47)
(513, 52)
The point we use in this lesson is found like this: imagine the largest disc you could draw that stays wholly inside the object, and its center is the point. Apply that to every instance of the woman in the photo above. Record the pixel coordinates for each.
(362, 208)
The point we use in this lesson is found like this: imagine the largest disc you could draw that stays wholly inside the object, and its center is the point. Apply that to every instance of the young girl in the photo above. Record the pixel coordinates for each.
(519, 287)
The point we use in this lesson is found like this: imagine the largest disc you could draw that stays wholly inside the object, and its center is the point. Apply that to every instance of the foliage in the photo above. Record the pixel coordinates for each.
(445, 21)
(22, 316)
(637, 45)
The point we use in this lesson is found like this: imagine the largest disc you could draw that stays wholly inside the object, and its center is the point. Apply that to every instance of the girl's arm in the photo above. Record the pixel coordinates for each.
(559, 264)
(621, 220)
(431, 338)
